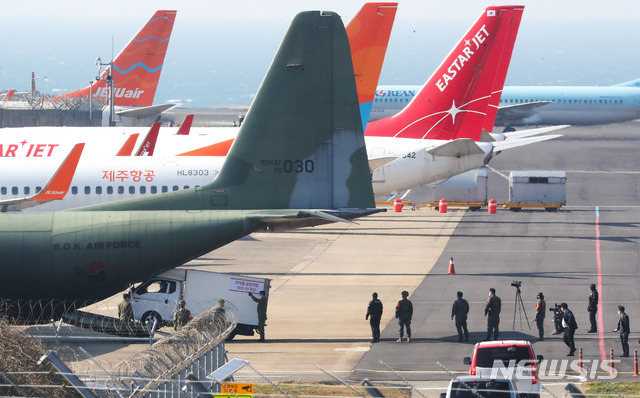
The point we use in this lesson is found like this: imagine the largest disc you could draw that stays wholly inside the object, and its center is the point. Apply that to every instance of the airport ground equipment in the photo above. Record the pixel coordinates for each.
(157, 298)
(542, 189)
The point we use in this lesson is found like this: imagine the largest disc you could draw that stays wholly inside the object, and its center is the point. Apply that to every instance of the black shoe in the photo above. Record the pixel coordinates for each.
(625, 355)
(570, 354)
(466, 338)
(592, 331)
(541, 339)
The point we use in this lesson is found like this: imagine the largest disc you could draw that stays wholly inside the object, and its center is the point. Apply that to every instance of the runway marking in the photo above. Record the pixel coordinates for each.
(356, 349)
(603, 356)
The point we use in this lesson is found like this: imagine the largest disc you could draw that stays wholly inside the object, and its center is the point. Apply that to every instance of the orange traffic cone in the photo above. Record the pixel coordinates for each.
(452, 269)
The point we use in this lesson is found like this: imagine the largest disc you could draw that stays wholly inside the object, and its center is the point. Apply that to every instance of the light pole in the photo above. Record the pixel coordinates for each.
(109, 80)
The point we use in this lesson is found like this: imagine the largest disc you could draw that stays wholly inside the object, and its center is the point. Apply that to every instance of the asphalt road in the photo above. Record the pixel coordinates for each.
(560, 253)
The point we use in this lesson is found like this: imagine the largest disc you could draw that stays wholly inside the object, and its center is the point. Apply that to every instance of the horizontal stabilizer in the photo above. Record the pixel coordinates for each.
(145, 111)
(55, 189)
(456, 148)
(531, 132)
(376, 163)
(514, 143)
(286, 219)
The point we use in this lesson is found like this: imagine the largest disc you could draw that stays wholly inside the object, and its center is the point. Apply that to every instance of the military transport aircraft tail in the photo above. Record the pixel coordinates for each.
(277, 161)
(454, 101)
(136, 70)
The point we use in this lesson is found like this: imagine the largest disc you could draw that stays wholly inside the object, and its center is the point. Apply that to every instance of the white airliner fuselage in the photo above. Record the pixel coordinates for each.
(532, 106)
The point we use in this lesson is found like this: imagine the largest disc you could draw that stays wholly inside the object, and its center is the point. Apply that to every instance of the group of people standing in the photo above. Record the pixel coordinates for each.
(565, 321)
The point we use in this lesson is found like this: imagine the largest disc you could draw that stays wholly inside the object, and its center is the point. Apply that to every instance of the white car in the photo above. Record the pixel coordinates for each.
(480, 387)
(512, 359)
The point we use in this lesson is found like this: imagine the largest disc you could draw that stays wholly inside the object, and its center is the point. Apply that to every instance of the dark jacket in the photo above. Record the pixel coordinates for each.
(374, 309)
(460, 309)
(494, 305)
(569, 319)
(623, 323)
(593, 301)
(404, 309)
(262, 305)
(541, 308)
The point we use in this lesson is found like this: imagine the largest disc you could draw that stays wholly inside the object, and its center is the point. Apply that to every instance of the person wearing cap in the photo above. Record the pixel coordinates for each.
(404, 312)
(262, 312)
(570, 326)
(182, 315)
(492, 312)
(624, 329)
(374, 314)
(592, 308)
(541, 308)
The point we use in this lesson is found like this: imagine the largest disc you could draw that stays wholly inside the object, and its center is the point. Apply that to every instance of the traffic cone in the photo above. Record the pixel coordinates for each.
(452, 269)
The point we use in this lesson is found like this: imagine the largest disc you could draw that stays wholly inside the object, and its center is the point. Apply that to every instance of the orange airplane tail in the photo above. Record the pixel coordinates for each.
(136, 70)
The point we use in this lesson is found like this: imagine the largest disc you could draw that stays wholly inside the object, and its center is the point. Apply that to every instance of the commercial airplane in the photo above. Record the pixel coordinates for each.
(538, 105)
(279, 173)
(368, 33)
(95, 181)
(136, 71)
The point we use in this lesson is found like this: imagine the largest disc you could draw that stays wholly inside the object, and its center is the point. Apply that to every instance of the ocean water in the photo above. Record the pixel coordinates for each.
(223, 63)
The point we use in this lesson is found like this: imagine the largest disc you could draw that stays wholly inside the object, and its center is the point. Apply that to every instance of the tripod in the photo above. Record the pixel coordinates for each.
(520, 310)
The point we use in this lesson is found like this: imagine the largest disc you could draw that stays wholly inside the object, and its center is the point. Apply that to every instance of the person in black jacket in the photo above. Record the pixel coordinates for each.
(570, 326)
(624, 329)
(460, 310)
(492, 312)
(404, 312)
(374, 313)
(262, 312)
(592, 308)
(541, 307)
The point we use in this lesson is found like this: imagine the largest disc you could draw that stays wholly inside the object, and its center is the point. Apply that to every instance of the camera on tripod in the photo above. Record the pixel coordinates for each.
(556, 308)
(516, 284)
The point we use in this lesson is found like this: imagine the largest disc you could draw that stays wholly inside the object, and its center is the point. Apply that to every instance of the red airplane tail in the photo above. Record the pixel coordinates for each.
(136, 70)
(454, 101)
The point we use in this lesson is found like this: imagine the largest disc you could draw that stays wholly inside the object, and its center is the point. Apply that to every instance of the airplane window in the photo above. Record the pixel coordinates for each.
(26, 190)
(165, 189)
(74, 190)
(154, 189)
(615, 102)
(132, 190)
(175, 187)
(38, 189)
(143, 189)
(120, 190)
(109, 190)
(87, 190)
(569, 101)
(186, 187)
(3, 190)
(14, 190)
(99, 190)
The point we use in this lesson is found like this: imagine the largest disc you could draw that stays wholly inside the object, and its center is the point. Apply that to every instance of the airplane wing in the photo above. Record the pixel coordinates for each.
(375, 163)
(149, 144)
(514, 143)
(518, 111)
(55, 189)
(456, 148)
(128, 146)
(145, 111)
(186, 125)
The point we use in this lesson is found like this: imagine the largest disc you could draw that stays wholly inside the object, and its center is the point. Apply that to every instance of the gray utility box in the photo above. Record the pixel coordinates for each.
(538, 187)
